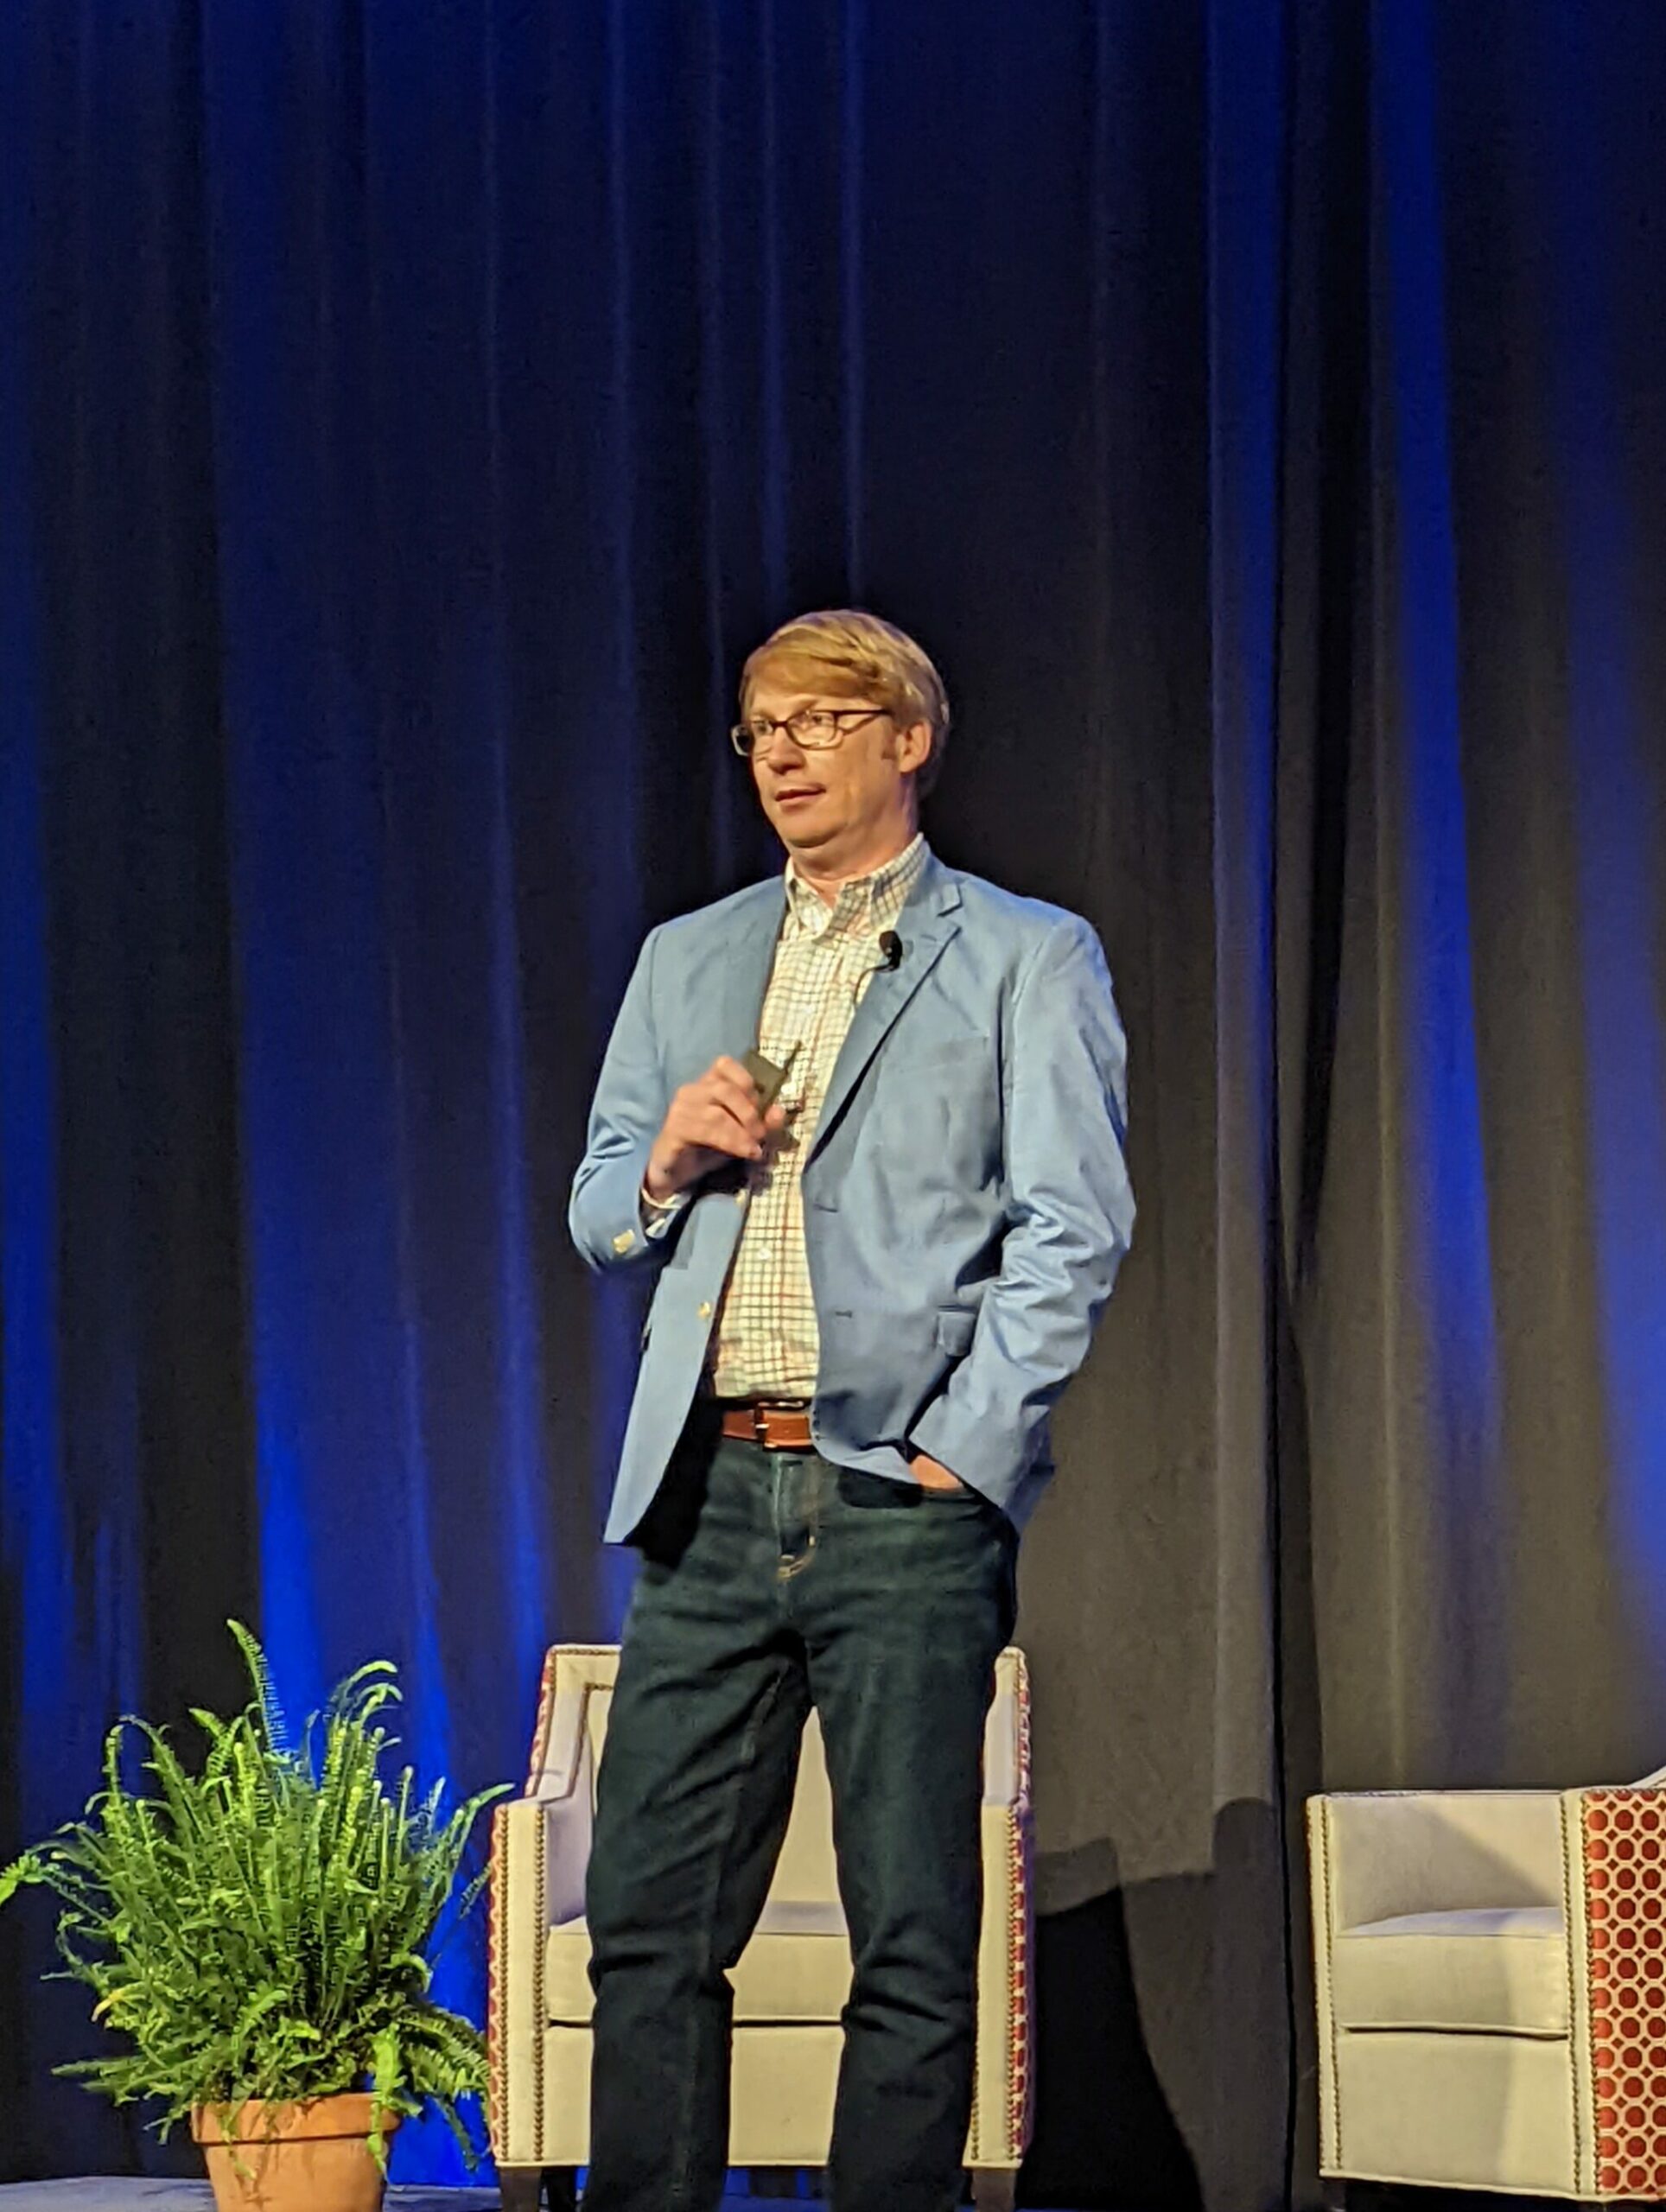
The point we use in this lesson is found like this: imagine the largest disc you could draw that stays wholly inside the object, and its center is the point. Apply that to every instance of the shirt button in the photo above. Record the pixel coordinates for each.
(703, 1312)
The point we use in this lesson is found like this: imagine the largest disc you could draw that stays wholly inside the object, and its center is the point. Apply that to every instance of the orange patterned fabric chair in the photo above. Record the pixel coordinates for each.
(1491, 1986)
(789, 1985)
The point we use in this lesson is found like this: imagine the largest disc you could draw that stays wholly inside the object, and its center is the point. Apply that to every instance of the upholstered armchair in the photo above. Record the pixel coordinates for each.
(789, 1986)
(1492, 1984)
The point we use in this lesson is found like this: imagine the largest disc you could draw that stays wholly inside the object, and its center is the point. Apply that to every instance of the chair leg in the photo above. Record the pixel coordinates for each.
(561, 2187)
(994, 2189)
(521, 2188)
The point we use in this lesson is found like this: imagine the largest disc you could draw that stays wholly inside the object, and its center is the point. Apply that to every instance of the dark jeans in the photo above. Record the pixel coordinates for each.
(771, 1582)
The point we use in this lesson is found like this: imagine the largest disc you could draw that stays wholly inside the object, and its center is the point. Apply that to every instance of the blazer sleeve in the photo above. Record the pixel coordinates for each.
(605, 1212)
(1071, 1217)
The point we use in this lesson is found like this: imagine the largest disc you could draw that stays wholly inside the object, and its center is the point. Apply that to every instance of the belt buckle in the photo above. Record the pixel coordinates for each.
(761, 1425)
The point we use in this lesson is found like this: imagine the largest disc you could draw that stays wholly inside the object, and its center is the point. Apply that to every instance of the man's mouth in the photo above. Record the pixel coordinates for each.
(790, 794)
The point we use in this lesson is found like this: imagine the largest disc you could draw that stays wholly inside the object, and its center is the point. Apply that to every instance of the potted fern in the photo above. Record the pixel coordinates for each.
(260, 1932)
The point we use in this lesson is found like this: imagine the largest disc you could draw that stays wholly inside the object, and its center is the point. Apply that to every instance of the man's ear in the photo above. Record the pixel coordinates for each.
(913, 746)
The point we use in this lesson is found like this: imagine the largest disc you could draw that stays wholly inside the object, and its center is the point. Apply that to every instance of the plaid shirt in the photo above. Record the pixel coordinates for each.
(765, 1342)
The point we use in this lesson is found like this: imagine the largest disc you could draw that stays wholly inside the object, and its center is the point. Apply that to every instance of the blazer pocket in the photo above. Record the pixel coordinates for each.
(954, 1333)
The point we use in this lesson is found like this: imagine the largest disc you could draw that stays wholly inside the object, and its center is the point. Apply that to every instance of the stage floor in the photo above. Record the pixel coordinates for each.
(196, 2196)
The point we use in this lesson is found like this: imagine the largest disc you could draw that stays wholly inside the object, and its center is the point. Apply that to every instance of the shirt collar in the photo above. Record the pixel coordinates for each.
(865, 905)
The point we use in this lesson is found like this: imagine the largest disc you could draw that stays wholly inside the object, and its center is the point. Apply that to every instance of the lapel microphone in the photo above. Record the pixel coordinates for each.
(891, 947)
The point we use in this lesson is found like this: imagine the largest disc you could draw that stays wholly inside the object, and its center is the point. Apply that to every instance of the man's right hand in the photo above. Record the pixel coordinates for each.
(711, 1120)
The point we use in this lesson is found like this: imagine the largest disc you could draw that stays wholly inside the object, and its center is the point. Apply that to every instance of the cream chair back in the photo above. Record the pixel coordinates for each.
(805, 1873)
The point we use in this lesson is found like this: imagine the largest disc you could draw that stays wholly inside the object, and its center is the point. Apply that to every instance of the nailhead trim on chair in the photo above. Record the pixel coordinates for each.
(546, 1716)
(1624, 1850)
(1321, 1845)
(1019, 2087)
(496, 1956)
(1580, 2135)
(540, 2006)
(497, 1983)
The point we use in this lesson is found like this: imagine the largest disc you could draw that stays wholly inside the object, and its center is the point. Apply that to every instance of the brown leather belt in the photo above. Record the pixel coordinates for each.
(778, 1429)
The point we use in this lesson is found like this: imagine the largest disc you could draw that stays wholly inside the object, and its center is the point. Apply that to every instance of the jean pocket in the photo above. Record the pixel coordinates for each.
(877, 1493)
(962, 1494)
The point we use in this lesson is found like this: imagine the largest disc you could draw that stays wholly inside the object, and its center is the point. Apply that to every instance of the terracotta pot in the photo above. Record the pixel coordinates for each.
(305, 2157)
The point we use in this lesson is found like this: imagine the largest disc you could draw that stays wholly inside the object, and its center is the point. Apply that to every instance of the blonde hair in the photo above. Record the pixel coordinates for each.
(868, 655)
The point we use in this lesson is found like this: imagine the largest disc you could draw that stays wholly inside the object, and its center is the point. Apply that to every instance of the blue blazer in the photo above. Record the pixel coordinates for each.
(966, 1197)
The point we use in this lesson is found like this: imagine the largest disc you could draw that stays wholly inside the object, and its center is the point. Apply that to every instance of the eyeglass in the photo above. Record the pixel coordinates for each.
(815, 728)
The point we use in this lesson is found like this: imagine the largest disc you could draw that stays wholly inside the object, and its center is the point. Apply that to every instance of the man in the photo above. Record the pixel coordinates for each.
(870, 1290)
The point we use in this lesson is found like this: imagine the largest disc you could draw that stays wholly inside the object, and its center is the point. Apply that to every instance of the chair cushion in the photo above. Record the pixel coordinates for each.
(797, 1968)
(1454, 2112)
(1501, 1971)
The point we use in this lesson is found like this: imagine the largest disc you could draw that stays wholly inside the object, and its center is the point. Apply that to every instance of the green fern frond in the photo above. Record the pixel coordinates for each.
(266, 1926)
(275, 1728)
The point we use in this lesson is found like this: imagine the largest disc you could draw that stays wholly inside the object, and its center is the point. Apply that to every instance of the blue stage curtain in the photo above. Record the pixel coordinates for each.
(409, 416)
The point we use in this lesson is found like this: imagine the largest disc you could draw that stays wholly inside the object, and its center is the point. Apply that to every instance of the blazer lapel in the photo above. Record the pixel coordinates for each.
(748, 959)
(925, 925)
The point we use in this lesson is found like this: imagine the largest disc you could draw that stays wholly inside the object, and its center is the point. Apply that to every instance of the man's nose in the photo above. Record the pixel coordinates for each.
(795, 752)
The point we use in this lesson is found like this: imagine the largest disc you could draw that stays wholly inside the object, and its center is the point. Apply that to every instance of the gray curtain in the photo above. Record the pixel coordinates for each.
(1366, 1486)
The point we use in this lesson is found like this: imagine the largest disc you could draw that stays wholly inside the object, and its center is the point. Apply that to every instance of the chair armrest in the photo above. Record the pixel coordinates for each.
(1625, 1797)
(516, 1918)
(569, 1824)
(1617, 1940)
(539, 1853)
(1379, 1855)
(1007, 1734)
(561, 1796)
(561, 1740)
(1002, 2102)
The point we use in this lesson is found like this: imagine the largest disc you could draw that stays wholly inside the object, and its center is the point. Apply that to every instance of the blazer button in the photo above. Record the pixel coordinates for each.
(704, 1310)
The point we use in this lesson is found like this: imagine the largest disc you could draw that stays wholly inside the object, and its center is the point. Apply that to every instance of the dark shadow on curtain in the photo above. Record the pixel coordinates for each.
(1134, 1983)
(1105, 2133)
